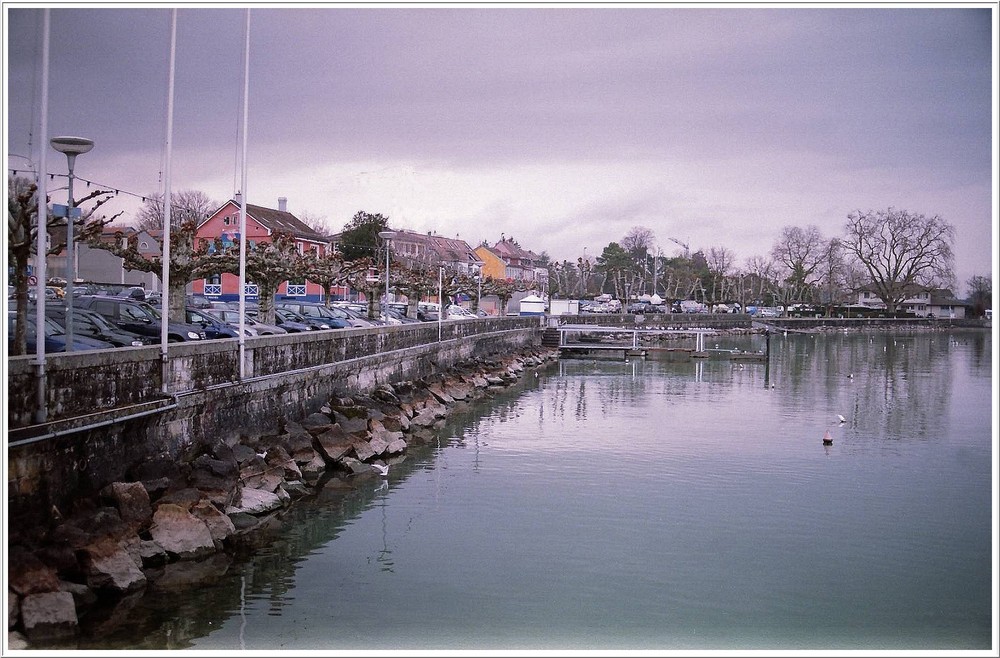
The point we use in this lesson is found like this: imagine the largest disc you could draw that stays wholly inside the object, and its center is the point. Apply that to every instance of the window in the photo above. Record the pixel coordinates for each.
(143, 245)
(225, 220)
(133, 313)
(295, 289)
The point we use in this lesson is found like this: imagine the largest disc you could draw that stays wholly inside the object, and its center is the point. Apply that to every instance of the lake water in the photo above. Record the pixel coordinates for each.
(647, 505)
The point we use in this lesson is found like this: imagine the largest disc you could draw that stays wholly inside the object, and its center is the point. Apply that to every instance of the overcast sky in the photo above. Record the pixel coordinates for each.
(561, 127)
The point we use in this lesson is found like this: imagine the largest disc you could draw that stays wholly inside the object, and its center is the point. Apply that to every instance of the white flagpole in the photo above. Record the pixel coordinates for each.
(42, 234)
(165, 275)
(243, 202)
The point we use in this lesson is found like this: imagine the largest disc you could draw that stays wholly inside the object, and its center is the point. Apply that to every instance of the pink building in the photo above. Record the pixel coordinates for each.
(262, 223)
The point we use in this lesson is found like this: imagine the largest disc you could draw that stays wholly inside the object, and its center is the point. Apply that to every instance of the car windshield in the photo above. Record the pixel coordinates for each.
(229, 317)
(149, 309)
(99, 320)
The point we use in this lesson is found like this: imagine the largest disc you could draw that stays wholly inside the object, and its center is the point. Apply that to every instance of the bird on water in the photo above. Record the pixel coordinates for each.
(828, 439)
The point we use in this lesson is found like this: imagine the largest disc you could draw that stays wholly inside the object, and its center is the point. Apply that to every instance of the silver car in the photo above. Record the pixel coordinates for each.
(233, 318)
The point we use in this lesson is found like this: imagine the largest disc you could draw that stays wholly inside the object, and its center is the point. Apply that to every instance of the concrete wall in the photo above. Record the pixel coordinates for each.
(107, 412)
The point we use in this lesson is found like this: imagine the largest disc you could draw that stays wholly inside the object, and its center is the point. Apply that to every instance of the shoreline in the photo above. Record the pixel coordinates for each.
(171, 518)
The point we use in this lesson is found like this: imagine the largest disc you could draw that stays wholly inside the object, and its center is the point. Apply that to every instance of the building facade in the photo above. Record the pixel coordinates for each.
(261, 225)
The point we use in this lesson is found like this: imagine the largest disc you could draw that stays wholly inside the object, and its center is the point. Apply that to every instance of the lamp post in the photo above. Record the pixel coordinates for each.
(387, 236)
(72, 147)
(479, 293)
(441, 310)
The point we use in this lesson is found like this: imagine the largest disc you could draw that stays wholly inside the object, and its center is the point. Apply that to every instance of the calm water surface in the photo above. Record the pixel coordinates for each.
(648, 505)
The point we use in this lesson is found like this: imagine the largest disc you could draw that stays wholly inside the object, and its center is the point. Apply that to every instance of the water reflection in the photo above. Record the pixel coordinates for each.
(682, 474)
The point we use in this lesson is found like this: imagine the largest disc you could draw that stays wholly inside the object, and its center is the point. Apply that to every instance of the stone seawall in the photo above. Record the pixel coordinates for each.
(108, 413)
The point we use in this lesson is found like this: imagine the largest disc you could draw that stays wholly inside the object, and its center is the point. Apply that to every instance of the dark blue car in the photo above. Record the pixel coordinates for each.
(55, 337)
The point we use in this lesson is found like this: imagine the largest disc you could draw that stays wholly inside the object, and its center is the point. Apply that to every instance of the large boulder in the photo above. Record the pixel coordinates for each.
(298, 443)
(132, 501)
(215, 477)
(312, 471)
(437, 390)
(396, 446)
(49, 616)
(255, 502)
(458, 390)
(108, 566)
(333, 444)
(219, 524)
(186, 498)
(378, 444)
(316, 423)
(363, 450)
(351, 424)
(281, 462)
(180, 533)
(26, 574)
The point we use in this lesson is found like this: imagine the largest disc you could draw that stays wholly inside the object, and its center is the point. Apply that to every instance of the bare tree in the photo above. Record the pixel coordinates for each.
(980, 293)
(186, 206)
(800, 252)
(317, 223)
(901, 250)
(720, 264)
(22, 240)
(762, 284)
(638, 242)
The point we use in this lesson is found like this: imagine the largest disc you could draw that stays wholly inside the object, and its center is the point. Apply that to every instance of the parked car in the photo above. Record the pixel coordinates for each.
(456, 312)
(288, 319)
(198, 301)
(212, 326)
(357, 314)
(398, 317)
(322, 312)
(55, 337)
(232, 318)
(94, 325)
(138, 317)
(133, 292)
(427, 312)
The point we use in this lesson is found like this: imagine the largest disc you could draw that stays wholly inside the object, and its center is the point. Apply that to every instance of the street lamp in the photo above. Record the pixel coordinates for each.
(479, 294)
(387, 236)
(72, 147)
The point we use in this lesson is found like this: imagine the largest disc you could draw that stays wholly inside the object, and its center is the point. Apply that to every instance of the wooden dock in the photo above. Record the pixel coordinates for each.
(590, 339)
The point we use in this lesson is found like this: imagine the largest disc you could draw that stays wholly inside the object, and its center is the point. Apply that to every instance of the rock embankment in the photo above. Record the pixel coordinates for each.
(174, 524)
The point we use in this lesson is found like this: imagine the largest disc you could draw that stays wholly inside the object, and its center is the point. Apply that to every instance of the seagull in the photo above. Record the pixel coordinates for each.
(383, 469)
(827, 439)
(841, 419)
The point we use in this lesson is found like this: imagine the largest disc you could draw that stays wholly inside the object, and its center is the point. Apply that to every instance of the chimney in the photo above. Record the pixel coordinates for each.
(238, 198)
(282, 204)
